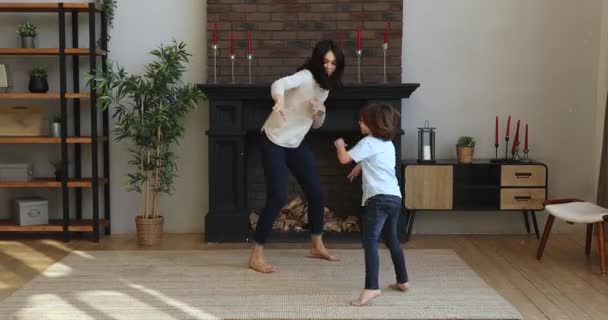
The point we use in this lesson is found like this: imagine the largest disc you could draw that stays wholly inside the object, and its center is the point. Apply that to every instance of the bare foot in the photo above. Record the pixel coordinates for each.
(400, 286)
(257, 261)
(365, 297)
(322, 253)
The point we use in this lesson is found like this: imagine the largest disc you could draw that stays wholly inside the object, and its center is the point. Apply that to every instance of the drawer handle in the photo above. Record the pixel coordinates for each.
(522, 198)
(523, 174)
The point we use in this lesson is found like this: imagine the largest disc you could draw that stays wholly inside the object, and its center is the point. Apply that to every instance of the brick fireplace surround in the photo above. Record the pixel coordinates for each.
(283, 34)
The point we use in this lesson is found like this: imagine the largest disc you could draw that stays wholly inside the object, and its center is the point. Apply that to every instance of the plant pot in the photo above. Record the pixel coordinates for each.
(28, 42)
(56, 129)
(149, 231)
(38, 85)
(465, 155)
(58, 175)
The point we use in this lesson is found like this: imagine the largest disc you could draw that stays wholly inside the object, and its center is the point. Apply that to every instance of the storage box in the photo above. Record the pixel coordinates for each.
(30, 211)
(16, 172)
(21, 120)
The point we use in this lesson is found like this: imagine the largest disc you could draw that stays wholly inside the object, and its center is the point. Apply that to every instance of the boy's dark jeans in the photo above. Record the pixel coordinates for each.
(301, 163)
(380, 218)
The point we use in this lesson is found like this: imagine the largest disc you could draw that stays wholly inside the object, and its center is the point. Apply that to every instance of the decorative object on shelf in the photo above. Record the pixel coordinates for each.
(38, 81)
(465, 149)
(526, 150)
(153, 121)
(28, 33)
(249, 54)
(384, 50)
(3, 78)
(214, 47)
(22, 172)
(232, 56)
(507, 138)
(496, 139)
(21, 120)
(515, 147)
(55, 125)
(358, 52)
(109, 8)
(426, 143)
(57, 165)
(30, 211)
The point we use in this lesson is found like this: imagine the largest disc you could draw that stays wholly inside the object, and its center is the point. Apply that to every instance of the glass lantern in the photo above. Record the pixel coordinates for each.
(426, 143)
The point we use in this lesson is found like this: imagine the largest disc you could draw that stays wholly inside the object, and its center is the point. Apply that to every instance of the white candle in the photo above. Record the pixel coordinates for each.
(426, 153)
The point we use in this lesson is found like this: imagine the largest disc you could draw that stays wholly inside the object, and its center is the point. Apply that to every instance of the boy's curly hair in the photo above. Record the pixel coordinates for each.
(381, 119)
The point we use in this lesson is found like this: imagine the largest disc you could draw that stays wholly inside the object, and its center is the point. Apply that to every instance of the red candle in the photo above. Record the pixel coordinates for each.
(231, 43)
(516, 139)
(388, 26)
(526, 138)
(248, 42)
(508, 126)
(359, 37)
(496, 132)
(215, 33)
(341, 40)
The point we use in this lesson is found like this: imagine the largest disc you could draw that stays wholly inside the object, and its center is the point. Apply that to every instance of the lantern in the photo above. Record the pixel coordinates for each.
(426, 143)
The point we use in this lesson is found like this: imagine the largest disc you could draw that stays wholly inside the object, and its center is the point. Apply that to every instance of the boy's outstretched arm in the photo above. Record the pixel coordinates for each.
(343, 156)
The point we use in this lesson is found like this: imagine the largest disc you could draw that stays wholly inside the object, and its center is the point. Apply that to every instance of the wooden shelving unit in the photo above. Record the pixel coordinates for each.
(98, 138)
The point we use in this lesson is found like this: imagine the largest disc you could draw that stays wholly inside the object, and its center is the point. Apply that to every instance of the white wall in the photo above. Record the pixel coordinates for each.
(534, 60)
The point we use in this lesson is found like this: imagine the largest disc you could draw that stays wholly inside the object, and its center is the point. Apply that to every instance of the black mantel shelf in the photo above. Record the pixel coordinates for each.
(348, 91)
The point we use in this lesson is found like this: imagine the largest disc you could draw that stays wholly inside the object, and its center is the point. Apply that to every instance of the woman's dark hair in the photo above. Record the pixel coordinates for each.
(314, 64)
(381, 119)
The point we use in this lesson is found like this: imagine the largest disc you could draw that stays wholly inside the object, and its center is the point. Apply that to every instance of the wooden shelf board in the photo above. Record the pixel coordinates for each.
(48, 51)
(47, 140)
(50, 183)
(52, 226)
(48, 95)
(45, 7)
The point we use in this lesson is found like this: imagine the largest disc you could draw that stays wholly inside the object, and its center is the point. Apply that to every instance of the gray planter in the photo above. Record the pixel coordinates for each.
(28, 42)
(56, 130)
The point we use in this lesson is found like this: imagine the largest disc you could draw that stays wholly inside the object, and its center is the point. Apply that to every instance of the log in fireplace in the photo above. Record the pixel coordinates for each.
(236, 114)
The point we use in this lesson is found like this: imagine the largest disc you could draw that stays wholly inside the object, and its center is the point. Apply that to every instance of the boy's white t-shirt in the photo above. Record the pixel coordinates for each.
(377, 159)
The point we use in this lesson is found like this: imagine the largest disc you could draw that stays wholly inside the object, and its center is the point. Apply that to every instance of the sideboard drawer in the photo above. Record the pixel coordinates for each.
(523, 176)
(522, 199)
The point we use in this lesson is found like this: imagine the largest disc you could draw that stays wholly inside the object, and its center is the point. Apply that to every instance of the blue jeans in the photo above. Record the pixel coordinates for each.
(301, 163)
(380, 217)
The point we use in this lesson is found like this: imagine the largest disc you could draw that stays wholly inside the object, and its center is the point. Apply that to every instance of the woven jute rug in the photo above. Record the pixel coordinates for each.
(216, 284)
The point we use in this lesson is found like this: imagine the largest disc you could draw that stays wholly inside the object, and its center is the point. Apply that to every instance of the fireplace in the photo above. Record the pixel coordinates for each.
(236, 186)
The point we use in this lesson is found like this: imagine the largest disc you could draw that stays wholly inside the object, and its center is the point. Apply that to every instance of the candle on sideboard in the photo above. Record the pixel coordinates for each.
(231, 43)
(526, 138)
(215, 33)
(496, 132)
(508, 126)
(248, 42)
(358, 37)
(388, 27)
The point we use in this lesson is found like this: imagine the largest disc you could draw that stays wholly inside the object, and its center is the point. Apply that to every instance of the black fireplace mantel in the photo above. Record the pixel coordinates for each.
(387, 91)
(238, 109)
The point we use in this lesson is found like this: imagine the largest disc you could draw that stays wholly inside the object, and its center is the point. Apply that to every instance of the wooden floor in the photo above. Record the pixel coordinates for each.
(564, 285)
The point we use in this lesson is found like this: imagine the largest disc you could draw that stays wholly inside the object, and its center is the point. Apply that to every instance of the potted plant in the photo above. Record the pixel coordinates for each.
(55, 125)
(149, 112)
(38, 81)
(57, 166)
(28, 33)
(465, 148)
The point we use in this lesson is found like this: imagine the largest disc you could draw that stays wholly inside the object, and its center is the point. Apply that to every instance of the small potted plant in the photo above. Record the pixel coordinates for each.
(57, 166)
(38, 81)
(55, 125)
(465, 148)
(28, 33)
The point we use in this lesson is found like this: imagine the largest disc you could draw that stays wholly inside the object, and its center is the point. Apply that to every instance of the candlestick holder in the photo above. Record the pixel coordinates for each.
(384, 49)
(515, 152)
(214, 63)
(526, 159)
(496, 150)
(506, 148)
(232, 58)
(358, 52)
(249, 58)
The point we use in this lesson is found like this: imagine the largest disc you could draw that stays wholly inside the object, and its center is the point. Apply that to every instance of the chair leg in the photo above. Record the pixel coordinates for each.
(602, 247)
(588, 239)
(525, 213)
(533, 214)
(543, 240)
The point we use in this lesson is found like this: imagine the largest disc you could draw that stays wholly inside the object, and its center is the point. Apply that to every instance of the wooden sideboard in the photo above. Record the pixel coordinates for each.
(479, 186)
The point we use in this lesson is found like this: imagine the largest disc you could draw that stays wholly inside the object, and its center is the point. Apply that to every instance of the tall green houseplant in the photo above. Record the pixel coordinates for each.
(149, 111)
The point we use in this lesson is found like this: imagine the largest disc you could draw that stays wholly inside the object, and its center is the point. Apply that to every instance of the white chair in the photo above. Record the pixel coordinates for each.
(577, 211)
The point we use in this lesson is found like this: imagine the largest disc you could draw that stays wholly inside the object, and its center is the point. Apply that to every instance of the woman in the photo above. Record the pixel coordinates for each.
(298, 106)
